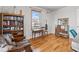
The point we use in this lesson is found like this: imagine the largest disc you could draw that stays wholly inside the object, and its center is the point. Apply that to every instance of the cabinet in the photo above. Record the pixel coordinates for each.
(62, 28)
(10, 23)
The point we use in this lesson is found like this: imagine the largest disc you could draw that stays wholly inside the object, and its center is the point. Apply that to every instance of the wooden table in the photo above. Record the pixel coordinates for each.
(37, 31)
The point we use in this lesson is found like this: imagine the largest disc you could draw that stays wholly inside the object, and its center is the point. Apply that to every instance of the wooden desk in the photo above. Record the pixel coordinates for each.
(39, 31)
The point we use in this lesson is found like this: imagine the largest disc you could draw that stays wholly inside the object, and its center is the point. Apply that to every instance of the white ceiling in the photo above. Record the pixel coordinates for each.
(52, 8)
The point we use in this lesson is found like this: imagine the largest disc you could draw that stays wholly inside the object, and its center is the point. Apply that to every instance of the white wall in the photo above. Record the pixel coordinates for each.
(77, 20)
(66, 12)
(51, 23)
(27, 17)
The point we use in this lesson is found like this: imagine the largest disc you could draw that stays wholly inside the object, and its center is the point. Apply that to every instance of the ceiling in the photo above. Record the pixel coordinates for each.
(52, 8)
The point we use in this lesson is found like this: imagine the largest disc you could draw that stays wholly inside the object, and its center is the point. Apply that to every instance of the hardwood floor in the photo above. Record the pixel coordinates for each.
(51, 43)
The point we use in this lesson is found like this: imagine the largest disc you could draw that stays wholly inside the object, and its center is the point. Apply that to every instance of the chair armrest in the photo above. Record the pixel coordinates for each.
(17, 39)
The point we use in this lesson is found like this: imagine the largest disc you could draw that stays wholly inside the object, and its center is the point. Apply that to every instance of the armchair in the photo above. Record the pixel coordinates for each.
(7, 44)
(75, 40)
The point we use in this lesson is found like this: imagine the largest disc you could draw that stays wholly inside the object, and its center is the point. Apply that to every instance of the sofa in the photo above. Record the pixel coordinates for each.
(7, 44)
(75, 40)
(4, 46)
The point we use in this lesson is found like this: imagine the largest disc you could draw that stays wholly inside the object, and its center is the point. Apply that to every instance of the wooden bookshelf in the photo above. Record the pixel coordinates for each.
(0, 24)
(6, 31)
(10, 23)
(0, 32)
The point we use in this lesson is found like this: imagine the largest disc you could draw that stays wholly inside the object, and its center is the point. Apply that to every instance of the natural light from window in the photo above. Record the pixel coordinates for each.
(35, 19)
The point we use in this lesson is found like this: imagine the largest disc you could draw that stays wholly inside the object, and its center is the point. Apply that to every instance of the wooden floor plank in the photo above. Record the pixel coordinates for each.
(51, 43)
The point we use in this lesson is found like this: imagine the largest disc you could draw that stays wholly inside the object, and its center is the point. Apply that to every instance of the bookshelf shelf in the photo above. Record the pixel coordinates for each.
(0, 31)
(10, 23)
(0, 25)
(9, 31)
(9, 20)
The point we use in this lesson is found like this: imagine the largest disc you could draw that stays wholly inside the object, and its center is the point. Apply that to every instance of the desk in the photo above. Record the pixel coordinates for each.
(35, 31)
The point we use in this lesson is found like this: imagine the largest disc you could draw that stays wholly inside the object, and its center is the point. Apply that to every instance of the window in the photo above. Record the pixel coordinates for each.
(35, 20)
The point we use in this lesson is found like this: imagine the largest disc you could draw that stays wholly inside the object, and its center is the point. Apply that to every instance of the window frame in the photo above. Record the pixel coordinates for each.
(31, 16)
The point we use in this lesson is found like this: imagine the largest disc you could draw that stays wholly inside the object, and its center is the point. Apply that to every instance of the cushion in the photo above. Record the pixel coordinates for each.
(8, 38)
(75, 46)
(2, 41)
(76, 38)
(73, 32)
(4, 45)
